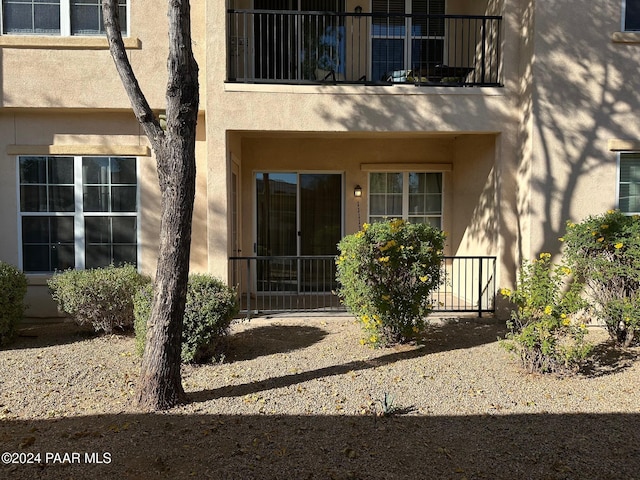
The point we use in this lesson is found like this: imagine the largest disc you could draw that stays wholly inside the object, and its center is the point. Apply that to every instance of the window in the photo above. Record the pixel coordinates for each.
(629, 183)
(77, 212)
(631, 17)
(414, 196)
(403, 38)
(57, 17)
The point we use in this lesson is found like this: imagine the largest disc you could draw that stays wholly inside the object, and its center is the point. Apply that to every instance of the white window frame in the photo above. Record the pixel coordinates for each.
(405, 193)
(78, 214)
(65, 22)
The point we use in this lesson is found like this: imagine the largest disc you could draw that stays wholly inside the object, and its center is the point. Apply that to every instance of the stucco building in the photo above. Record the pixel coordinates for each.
(495, 120)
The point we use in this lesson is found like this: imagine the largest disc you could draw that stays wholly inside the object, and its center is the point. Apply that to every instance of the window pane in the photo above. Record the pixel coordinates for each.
(124, 254)
(96, 199)
(95, 170)
(47, 18)
(33, 170)
(123, 199)
(394, 205)
(416, 204)
(61, 170)
(62, 257)
(377, 205)
(61, 199)
(97, 229)
(35, 230)
(17, 18)
(85, 19)
(124, 229)
(632, 15)
(394, 182)
(33, 198)
(97, 256)
(123, 170)
(434, 204)
(62, 230)
(387, 57)
(35, 258)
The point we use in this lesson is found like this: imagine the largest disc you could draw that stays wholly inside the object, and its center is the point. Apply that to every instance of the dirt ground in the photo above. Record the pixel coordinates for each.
(299, 398)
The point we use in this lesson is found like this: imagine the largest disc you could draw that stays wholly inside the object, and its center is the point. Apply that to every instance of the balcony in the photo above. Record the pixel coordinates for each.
(311, 47)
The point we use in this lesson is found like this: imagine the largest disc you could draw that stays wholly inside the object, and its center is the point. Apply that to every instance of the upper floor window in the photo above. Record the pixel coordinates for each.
(631, 17)
(629, 183)
(413, 196)
(77, 212)
(57, 17)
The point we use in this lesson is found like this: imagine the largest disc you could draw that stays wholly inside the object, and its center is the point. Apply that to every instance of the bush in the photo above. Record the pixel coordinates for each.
(102, 297)
(605, 251)
(13, 288)
(387, 272)
(209, 311)
(545, 329)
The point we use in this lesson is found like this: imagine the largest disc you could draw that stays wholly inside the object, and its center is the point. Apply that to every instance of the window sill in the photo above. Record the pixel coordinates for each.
(625, 37)
(64, 43)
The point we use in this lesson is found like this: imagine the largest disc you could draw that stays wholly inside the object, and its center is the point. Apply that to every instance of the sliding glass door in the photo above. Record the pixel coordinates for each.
(298, 214)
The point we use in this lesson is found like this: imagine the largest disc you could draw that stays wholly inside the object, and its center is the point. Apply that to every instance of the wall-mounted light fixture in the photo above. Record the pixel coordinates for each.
(358, 10)
(357, 192)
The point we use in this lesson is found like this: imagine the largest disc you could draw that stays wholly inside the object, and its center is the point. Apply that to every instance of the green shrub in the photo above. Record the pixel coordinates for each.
(209, 311)
(605, 251)
(546, 330)
(102, 297)
(13, 288)
(387, 272)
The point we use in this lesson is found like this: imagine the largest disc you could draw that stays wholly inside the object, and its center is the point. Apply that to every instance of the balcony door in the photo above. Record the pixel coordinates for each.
(403, 38)
(292, 44)
(298, 214)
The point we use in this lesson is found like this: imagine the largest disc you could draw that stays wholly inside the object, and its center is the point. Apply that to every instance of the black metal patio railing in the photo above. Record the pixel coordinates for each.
(273, 284)
(299, 47)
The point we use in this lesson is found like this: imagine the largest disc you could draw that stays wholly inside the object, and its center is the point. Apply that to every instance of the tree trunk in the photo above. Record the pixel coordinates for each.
(160, 385)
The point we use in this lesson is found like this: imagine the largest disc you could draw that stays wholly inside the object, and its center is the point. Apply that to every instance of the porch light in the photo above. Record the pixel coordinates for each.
(358, 10)
(357, 192)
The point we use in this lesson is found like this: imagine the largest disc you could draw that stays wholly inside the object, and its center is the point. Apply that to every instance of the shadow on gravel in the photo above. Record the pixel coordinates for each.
(36, 335)
(456, 333)
(173, 446)
(270, 339)
(606, 359)
(440, 337)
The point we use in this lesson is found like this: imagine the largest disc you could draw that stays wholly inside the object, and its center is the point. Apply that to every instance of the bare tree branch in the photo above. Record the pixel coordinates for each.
(141, 108)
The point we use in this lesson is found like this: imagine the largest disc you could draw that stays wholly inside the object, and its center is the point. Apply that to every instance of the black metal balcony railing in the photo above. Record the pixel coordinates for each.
(298, 47)
(273, 284)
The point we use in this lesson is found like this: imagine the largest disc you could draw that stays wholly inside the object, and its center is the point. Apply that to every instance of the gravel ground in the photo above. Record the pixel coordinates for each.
(299, 398)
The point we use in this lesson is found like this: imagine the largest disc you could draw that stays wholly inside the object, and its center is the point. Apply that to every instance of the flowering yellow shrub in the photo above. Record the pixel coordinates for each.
(386, 273)
(605, 251)
(544, 329)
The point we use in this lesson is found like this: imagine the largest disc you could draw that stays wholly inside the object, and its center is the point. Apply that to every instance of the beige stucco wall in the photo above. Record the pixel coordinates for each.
(585, 93)
(78, 72)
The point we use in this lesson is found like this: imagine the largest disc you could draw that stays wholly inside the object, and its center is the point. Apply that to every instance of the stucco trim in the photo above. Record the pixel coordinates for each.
(64, 43)
(115, 150)
(406, 167)
(625, 37)
(618, 145)
(346, 89)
